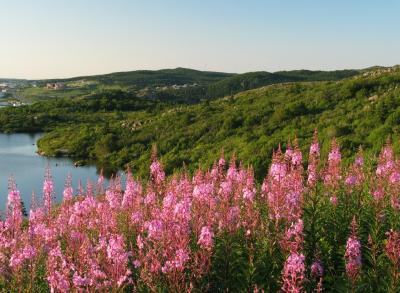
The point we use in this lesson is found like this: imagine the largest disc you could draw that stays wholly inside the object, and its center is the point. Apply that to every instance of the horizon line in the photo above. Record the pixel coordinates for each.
(186, 68)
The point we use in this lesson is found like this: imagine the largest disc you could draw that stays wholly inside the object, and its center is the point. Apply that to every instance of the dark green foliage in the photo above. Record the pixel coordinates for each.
(229, 265)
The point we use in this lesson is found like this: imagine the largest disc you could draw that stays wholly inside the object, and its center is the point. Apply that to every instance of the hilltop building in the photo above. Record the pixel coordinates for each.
(55, 86)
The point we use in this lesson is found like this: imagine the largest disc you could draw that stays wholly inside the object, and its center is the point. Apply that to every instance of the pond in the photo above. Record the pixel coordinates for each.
(18, 158)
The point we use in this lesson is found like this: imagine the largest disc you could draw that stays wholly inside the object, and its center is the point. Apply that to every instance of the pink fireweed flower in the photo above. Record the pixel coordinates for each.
(203, 191)
(115, 249)
(394, 177)
(293, 238)
(359, 161)
(206, 238)
(297, 157)
(133, 190)
(181, 258)
(288, 152)
(100, 183)
(14, 209)
(19, 257)
(48, 190)
(313, 159)
(314, 148)
(293, 155)
(386, 161)
(68, 190)
(356, 175)
(58, 270)
(293, 273)
(221, 161)
(249, 193)
(317, 270)
(154, 229)
(150, 198)
(283, 191)
(378, 194)
(156, 171)
(278, 167)
(351, 180)
(392, 247)
(136, 217)
(353, 258)
(139, 242)
(334, 154)
(334, 200)
(113, 196)
(395, 202)
(332, 174)
(249, 189)
(178, 263)
(118, 259)
(232, 172)
(89, 189)
(182, 210)
(81, 190)
(353, 254)
(312, 174)
(233, 217)
(80, 281)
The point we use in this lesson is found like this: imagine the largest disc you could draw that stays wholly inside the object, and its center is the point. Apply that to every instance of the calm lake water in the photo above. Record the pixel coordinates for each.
(18, 158)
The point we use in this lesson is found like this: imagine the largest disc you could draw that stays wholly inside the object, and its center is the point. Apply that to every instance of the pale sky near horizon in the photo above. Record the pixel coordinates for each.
(64, 38)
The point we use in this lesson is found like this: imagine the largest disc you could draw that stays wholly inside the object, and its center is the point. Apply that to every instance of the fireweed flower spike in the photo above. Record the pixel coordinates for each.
(14, 209)
(206, 238)
(293, 273)
(283, 189)
(100, 183)
(392, 247)
(317, 272)
(293, 238)
(386, 161)
(353, 254)
(68, 192)
(313, 160)
(356, 176)
(48, 190)
(296, 159)
(333, 171)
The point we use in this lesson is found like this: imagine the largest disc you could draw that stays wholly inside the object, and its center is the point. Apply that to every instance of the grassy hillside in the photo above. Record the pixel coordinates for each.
(145, 78)
(252, 80)
(143, 82)
(117, 128)
(177, 85)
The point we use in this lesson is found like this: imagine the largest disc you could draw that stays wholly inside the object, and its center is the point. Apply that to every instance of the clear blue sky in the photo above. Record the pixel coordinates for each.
(61, 38)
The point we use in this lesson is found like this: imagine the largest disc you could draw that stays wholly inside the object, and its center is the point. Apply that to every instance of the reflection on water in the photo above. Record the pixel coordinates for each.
(18, 158)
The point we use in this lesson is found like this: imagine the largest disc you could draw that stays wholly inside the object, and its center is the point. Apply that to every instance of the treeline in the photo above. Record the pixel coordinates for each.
(247, 81)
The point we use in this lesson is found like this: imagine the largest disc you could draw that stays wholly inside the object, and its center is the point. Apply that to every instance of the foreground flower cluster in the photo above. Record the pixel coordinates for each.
(314, 229)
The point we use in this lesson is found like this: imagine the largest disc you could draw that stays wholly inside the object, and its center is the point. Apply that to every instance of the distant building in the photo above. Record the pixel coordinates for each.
(4, 87)
(55, 86)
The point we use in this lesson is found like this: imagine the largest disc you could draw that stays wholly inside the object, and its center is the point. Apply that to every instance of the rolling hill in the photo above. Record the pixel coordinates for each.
(179, 85)
(116, 128)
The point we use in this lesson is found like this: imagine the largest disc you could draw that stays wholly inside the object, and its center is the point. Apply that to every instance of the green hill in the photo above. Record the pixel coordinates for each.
(146, 78)
(178, 85)
(117, 128)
